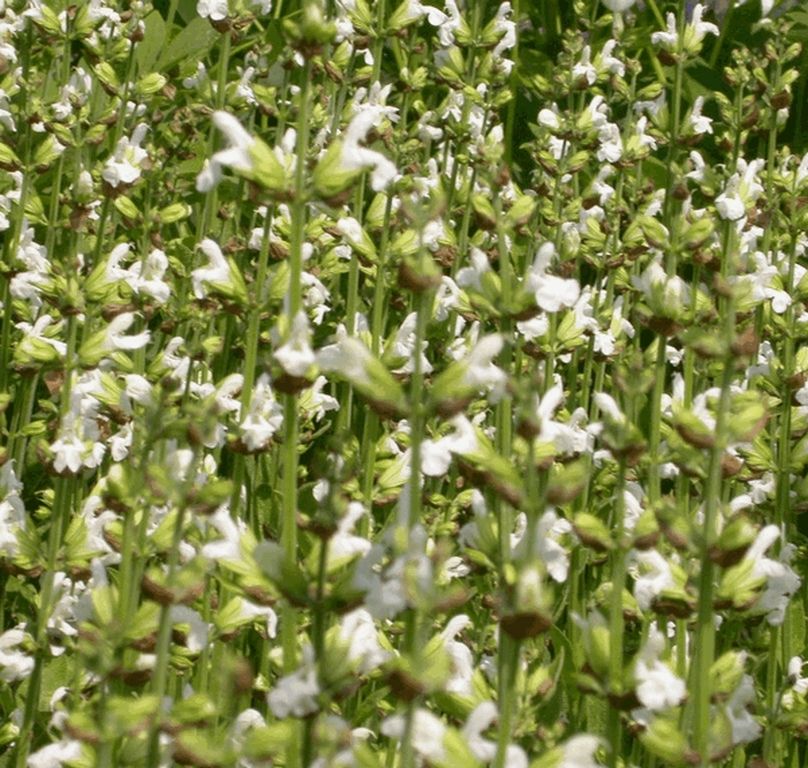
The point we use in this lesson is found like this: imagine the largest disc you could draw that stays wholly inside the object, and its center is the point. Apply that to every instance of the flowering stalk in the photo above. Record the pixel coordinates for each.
(616, 612)
(417, 426)
(60, 516)
(290, 414)
(704, 652)
(163, 648)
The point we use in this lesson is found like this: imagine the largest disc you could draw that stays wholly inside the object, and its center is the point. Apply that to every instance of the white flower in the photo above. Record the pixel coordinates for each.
(115, 338)
(485, 750)
(669, 38)
(404, 346)
(744, 726)
(296, 694)
(579, 752)
(426, 736)
(797, 682)
(355, 157)
(607, 405)
(349, 357)
(552, 293)
(460, 654)
(436, 455)
(694, 33)
(296, 356)
(583, 69)
(14, 664)
(415, 10)
(741, 190)
(344, 544)
(781, 580)
(36, 332)
(611, 143)
(358, 630)
(698, 122)
(12, 510)
(124, 167)
(217, 270)
(147, 277)
(215, 10)
(608, 62)
(121, 442)
(480, 372)
(550, 528)
(264, 418)
(314, 402)
(652, 575)
(55, 755)
(698, 27)
(237, 156)
(658, 688)
(729, 205)
(198, 628)
(67, 452)
(618, 6)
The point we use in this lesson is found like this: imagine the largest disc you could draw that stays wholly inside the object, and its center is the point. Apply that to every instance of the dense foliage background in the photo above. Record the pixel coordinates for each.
(403, 384)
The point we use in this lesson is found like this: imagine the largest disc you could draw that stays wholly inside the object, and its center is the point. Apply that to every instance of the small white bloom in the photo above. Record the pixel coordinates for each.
(652, 575)
(618, 6)
(485, 750)
(480, 371)
(744, 726)
(460, 654)
(198, 628)
(781, 580)
(358, 630)
(658, 688)
(217, 269)
(215, 10)
(264, 418)
(14, 664)
(296, 694)
(426, 737)
(356, 157)
(296, 356)
(698, 122)
(55, 755)
(579, 752)
(117, 327)
(124, 167)
(237, 156)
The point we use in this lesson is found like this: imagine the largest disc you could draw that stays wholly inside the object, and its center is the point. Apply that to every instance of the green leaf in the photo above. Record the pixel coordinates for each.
(796, 622)
(148, 49)
(193, 42)
(57, 673)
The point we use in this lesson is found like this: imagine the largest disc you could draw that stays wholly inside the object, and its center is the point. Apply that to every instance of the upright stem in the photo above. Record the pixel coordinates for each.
(290, 416)
(705, 627)
(164, 635)
(60, 514)
(413, 512)
(616, 614)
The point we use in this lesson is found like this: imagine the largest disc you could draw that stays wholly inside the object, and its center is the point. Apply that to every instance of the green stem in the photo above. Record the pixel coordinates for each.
(705, 627)
(290, 415)
(60, 515)
(509, 649)
(616, 615)
(164, 636)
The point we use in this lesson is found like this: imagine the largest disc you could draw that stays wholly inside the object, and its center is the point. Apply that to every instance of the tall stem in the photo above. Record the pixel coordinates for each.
(290, 416)
(616, 614)
(60, 514)
(705, 626)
